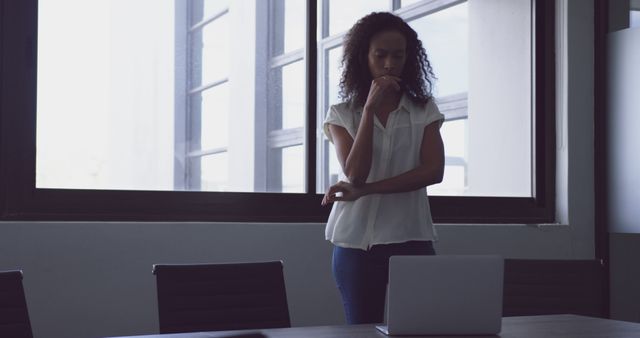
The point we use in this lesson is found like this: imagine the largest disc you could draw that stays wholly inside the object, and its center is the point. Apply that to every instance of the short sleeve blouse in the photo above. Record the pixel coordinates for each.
(385, 218)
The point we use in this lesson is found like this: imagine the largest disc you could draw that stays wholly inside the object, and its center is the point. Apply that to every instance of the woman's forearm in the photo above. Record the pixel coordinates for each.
(411, 180)
(358, 163)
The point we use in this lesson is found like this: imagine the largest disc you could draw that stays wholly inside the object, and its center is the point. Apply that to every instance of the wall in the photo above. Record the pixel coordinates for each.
(623, 163)
(94, 279)
(623, 119)
(624, 276)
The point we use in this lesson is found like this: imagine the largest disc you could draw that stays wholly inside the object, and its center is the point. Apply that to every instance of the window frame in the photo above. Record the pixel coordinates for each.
(20, 200)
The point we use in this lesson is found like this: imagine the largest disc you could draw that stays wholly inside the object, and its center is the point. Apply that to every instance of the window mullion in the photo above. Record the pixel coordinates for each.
(273, 163)
(182, 74)
(287, 58)
(206, 86)
(286, 137)
(208, 20)
(395, 4)
(263, 104)
(311, 97)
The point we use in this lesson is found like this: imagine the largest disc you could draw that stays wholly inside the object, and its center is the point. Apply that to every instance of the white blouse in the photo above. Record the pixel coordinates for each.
(385, 218)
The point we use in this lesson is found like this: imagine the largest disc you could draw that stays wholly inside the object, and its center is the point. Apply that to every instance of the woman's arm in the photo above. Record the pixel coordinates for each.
(355, 155)
(430, 171)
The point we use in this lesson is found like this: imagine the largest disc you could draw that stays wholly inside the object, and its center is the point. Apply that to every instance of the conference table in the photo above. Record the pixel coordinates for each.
(548, 326)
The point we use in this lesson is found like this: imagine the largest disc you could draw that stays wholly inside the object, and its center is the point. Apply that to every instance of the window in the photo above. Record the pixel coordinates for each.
(209, 109)
(479, 161)
(634, 13)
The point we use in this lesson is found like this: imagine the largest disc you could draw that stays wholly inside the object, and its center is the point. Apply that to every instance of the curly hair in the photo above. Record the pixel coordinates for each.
(417, 75)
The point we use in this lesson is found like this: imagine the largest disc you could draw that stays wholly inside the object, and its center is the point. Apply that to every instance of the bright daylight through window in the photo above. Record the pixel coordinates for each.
(210, 95)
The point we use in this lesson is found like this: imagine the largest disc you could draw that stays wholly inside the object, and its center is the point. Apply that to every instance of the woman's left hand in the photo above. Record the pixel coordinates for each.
(349, 193)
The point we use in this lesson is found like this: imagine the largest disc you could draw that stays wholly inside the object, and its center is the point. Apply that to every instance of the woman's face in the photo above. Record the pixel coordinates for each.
(387, 53)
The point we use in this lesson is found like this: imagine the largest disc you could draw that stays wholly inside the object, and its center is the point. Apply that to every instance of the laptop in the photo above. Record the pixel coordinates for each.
(444, 295)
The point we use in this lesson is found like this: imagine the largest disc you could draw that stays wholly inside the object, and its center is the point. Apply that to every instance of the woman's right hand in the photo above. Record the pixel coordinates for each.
(380, 87)
(347, 191)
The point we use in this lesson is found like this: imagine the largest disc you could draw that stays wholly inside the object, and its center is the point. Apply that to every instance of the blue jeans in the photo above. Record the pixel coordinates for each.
(361, 276)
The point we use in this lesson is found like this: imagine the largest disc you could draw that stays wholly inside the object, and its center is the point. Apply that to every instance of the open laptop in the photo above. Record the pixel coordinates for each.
(444, 295)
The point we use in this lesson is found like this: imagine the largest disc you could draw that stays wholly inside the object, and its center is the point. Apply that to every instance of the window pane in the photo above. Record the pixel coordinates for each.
(444, 35)
(290, 16)
(211, 52)
(344, 14)
(453, 183)
(138, 117)
(334, 165)
(214, 172)
(454, 136)
(328, 166)
(634, 19)
(333, 75)
(214, 124)
(293, 169)
(293, 95)
(105, 94)
(500, 104)
(204, 9)
(481, 56)
(295, 24)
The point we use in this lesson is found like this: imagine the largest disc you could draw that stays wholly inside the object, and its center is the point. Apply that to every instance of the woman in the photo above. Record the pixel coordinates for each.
(387, 139)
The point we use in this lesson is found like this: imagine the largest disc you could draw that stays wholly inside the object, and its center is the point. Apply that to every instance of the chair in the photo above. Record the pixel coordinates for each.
(212, 297)
(14, 317)
(545, 287)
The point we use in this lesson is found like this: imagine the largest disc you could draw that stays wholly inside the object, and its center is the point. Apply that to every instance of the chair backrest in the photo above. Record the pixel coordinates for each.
(14, 317)
(230, 296)
(541, 287)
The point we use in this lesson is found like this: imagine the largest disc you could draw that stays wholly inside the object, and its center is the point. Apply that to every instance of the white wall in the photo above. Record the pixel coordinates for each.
(94, 279)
